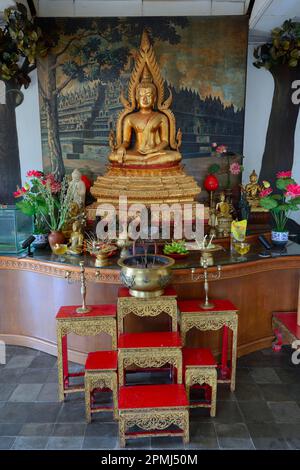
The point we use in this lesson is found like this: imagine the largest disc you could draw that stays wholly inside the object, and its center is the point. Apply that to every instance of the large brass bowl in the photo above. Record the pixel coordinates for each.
(146, 277)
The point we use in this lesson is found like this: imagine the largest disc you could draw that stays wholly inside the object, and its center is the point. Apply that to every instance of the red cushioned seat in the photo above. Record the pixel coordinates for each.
(106, 310)
(165, 339)
(194, 306)
(198, 357)
(152, 396)
(102, 360)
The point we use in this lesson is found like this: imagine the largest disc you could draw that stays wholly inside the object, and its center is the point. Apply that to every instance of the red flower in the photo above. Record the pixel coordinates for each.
(18, 193)
(265, 192)
(293, 190)
(284, 174)
(34, 174)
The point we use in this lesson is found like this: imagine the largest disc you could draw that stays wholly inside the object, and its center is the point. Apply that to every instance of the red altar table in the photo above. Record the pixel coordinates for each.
(100, 319)
(222, 315)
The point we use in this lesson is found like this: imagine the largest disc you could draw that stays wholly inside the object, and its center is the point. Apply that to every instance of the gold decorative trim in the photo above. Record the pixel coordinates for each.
(203, 375)
(147, 308)
(100, 379)
(151, 357)
(153, 419)
(112, 276)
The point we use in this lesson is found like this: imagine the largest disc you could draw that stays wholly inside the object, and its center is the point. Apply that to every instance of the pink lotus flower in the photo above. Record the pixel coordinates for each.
(293, 190)
(284, 174)
(214, 145)
(221, 149)
(34, 174)
(235, 168)
(265, 192)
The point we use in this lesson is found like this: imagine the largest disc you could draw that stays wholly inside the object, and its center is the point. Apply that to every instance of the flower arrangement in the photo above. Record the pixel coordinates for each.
(46, 199)
(233, 168)
(281, 204)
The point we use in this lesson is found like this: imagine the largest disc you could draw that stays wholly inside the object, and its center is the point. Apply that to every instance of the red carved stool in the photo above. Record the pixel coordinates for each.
(101, 374)
(154, 409)
(149, 350)
(100, 319)
(223, 314)
(200, 370)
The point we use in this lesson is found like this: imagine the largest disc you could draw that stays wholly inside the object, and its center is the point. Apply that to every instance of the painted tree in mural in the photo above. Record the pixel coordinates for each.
(20, 44)
(282, 58)
(94, 50)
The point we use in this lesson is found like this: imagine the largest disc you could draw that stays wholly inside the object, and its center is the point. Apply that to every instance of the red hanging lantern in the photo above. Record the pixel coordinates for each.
(211, 183)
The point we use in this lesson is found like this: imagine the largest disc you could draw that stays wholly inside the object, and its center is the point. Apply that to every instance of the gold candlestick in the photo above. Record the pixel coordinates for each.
(84, 308)
(206, 276)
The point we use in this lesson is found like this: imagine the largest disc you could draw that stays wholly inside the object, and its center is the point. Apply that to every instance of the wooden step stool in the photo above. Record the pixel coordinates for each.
(200, 368)
(149, 350)
(153, 408)
(101, 373)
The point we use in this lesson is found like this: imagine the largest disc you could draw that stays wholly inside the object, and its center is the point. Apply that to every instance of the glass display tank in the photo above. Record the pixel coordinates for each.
(15, 227)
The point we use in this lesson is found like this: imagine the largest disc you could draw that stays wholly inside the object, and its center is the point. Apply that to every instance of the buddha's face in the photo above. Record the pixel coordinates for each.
(146, 97)
(253, 178)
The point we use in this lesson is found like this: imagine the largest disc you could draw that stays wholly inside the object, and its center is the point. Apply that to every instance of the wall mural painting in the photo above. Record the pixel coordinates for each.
(203, 61)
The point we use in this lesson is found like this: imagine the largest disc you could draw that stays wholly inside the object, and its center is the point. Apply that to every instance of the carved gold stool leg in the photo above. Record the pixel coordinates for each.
(114, 387)
(186, 427)
(122, 430)
(87, 396)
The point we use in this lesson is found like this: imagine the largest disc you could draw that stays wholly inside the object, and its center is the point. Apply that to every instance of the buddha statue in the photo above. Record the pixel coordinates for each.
(145, 162)
(251, 191)
(78, 189)
(224, 216)
(151, 130)
(76, 239)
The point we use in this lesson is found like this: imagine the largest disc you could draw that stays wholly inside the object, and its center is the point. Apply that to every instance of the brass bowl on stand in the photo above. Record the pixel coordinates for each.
(146, 276)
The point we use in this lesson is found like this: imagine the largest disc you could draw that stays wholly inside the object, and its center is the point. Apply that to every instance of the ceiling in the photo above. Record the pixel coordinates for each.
(137, 7)
(266, 14)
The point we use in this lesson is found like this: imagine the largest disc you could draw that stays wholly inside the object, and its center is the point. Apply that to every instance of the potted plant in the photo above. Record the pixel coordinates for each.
(32, 204)
(49, 201)
(281, 203)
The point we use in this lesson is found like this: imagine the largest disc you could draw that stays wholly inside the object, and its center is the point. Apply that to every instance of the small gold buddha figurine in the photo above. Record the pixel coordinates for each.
(224, 216)
(148, 118)
(251, 191)
(76, 239)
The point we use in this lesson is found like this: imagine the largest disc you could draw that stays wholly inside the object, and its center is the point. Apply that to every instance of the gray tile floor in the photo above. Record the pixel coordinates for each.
(263, 413)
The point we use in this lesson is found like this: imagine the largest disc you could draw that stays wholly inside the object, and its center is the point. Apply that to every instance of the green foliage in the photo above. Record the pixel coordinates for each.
(214, 168)
(284, 47)
(176, 247)
(281, 183)
(20, 44)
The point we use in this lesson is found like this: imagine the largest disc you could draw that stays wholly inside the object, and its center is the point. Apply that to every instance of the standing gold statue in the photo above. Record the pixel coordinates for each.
(145, 159)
